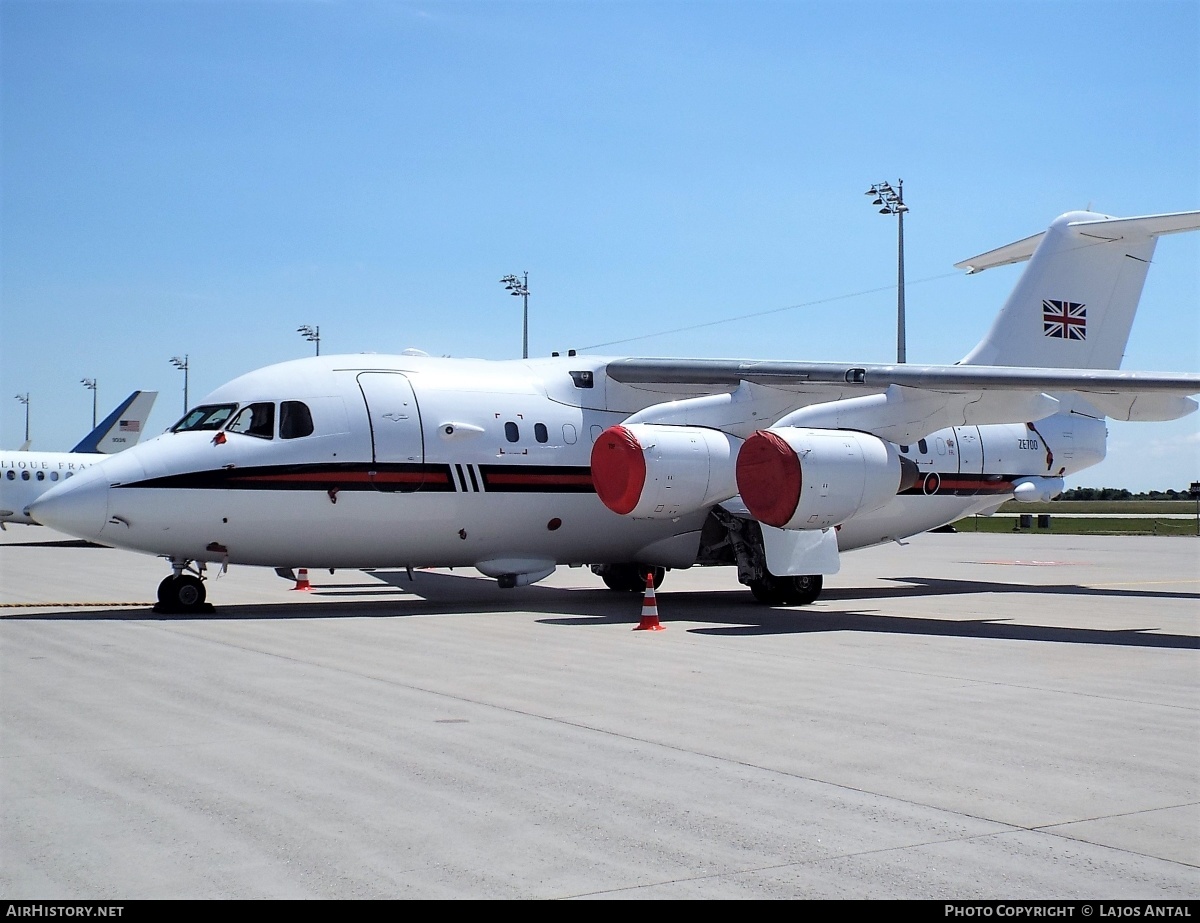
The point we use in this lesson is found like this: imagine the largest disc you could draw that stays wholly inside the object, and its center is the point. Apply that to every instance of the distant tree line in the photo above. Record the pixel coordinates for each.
(1118, 493)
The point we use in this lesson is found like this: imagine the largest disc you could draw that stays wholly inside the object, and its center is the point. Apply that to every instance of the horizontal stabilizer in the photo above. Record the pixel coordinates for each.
(1145, 226)
(1017, 252)
(1101, 228)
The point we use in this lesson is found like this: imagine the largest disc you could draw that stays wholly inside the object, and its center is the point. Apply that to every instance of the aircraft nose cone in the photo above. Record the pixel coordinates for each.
(77, 507)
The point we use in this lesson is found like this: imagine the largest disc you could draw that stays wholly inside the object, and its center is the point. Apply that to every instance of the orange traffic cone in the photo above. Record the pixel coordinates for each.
(649, 620)
(302, 580)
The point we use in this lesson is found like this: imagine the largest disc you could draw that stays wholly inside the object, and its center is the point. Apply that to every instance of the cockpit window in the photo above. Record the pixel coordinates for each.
(295, 420)
(255, 420)
(206, 416)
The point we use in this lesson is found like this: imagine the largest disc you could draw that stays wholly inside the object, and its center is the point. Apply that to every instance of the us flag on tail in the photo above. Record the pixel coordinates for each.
(1064, 319)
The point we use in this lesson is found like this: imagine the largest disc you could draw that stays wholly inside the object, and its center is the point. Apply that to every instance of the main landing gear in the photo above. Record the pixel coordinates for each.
(183, 593)
(786, 591)
(729, 539)
(628, 578)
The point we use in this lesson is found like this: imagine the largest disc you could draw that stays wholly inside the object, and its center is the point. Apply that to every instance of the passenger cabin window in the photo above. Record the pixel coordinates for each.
(255, 420)
(295, 420)
(511, 433)
(540, 433)
(12, 475)
(208, 416)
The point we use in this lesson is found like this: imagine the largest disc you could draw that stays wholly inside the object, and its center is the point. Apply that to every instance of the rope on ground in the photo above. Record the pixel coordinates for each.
(66, 605)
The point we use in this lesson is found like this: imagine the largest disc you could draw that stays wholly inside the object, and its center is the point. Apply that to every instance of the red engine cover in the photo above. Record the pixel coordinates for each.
(618, 469)
(769, 478)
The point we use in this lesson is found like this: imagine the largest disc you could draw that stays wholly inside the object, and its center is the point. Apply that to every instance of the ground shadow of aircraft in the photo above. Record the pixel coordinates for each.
(726, 612)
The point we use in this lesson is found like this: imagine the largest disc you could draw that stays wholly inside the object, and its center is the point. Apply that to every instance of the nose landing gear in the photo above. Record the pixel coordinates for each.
(183, 593)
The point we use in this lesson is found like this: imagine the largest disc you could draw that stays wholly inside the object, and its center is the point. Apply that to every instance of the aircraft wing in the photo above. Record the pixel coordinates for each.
(877, 377)
(915, 398)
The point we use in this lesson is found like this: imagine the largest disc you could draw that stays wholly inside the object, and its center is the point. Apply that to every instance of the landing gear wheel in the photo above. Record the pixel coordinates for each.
(631, 578)
(619, 582)
(787, 591)
(806, 589)
(164, 591)
(771, 590)
(184, 593)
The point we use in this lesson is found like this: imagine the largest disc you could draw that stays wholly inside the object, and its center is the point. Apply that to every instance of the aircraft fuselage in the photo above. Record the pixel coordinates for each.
(415, 461)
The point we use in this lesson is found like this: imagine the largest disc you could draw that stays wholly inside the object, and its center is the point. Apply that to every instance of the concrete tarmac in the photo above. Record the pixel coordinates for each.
(970, 716)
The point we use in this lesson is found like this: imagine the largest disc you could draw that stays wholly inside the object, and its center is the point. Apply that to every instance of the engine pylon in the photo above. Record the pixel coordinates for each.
(649, 620)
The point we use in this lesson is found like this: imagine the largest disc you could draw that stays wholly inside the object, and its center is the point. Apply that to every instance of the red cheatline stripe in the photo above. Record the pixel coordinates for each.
(950, 483)
(579, 480)
(964, 483)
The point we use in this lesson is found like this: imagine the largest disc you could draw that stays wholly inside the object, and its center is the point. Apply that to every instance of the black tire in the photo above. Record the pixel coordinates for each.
(631, 578)
(787, 591)
(771, 590)
(184, 593)
(618, 582)
(806, 589)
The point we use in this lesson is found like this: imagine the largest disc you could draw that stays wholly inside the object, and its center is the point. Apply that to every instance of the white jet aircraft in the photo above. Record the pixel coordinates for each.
(25, 475)
(633, 466)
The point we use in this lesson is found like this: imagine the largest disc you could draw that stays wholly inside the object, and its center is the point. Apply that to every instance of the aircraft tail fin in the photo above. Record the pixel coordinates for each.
(1074, 304)
(122, 428)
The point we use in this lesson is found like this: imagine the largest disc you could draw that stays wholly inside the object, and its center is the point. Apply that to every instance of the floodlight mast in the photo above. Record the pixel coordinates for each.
(24, 399)
(90, 384)
(521, 287)
(312, 334)
(892, 202)
(182, 365)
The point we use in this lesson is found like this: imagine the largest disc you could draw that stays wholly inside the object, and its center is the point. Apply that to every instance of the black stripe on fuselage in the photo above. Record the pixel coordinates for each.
(343, 476)
(381, 477)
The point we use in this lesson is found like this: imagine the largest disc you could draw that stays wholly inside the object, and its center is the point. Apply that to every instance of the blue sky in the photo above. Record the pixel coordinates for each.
(201, 178)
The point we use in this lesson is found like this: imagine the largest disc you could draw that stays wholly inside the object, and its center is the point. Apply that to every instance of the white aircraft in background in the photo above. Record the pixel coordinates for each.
(634, 466)
(25, 475)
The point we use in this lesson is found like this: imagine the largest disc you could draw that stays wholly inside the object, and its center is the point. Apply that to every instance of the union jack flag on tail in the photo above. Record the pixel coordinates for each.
(1066, 320)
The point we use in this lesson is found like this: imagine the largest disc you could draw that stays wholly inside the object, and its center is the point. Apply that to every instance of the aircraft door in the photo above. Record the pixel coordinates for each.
(970, 450)
(397, 443)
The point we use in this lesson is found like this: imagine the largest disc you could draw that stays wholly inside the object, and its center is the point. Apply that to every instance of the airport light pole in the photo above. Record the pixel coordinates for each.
(892, 203)
(90, 384)
(24, 399)
(182, 365)
(312, 334)
(521, 287)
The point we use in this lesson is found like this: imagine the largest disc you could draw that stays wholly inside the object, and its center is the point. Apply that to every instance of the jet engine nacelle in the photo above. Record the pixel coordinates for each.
(658, 471)
(797, 478)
